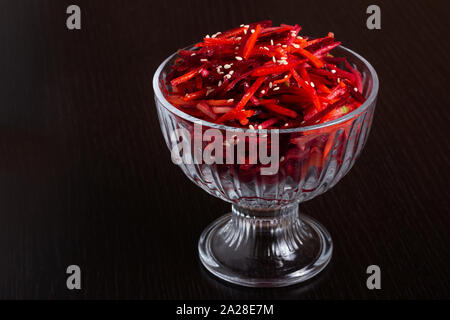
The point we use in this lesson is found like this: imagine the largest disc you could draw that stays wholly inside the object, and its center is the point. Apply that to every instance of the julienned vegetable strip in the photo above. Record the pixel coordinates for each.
(275, 68)
(251, 42)
(185, 77)
(263, 76)
(243, 102)
(314, 60)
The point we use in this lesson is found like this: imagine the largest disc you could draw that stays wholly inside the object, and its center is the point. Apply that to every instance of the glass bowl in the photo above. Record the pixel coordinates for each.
(264, 241)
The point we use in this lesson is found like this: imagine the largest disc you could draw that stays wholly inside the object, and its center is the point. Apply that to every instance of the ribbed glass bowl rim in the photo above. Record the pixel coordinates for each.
(354, 113)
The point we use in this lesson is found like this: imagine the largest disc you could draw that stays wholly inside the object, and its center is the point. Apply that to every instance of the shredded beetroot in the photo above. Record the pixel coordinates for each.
(259, 76)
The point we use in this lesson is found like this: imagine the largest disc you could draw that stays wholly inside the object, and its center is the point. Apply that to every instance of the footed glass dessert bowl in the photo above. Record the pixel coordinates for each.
(265, 241)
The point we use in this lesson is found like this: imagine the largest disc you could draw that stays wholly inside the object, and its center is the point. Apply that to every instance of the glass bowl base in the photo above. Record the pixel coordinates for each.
(265, 251)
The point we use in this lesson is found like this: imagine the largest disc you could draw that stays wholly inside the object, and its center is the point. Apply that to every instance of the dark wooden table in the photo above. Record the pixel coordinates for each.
(86, 179)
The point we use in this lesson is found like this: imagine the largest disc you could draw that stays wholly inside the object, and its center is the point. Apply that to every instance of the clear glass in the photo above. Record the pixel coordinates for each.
(264, 241)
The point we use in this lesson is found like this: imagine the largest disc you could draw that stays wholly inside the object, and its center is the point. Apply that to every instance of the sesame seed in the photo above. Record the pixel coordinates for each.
(193, 54)
(295, 45)
(286, 124)
(284, 46)
(312, 84)
(251, 127)
(282, 158)
(220, 83)
(246, 26)
(274, 60)
(271, 41)
(238, 38)
(209, 91)
(207, 36)
(231, 72)
(283, 58)
(230, 100)
(270, 84)
(355, 89)
(266, 48)
(276, 88)
(302, 122)
(241, 25)
(263, 91)
(333, 71)
(227, 66)
(338, 80)
(245, 31)
(299, 37)
(204, 60)
(227, 76)
(307, 82)
(238, 58)
(260, 127)
(252, 31)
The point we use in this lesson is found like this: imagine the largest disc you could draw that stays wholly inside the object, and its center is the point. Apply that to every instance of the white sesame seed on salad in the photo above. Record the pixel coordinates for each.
(333, 71)
(238, 58)
(260, 127)
(271, 42)
(355, 89)
(226, 66)
(312, 84)
(193, 54)
(238, 38)
(270, 84)
(204, 60)
(266, 48)
(273, 59)
(252, 31)
(295, 45)
(276, 88)
(231, 72)
(230, 100)
(251, 127)
(219, 83)
(263, 91)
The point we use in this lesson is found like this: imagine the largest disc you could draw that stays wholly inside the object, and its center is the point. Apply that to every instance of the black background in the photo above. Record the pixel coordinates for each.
(86, 179)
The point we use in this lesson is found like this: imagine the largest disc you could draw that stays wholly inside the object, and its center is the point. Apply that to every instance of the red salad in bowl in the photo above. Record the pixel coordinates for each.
(260, 76)
(248, 92)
